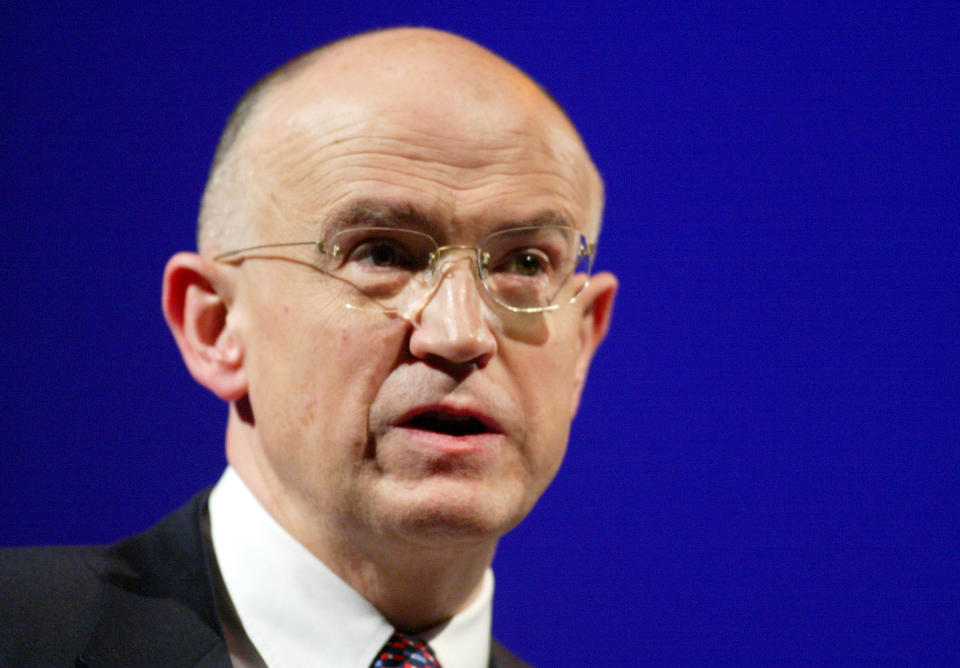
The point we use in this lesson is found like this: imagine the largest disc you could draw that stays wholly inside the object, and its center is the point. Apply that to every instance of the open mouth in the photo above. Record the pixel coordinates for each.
(448, 423)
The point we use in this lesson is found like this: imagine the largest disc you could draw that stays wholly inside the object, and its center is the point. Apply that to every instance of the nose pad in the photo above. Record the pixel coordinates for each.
(443, 269)
(450, 318)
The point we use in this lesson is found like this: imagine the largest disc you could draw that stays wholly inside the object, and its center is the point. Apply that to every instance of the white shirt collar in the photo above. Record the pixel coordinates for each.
(297, 612)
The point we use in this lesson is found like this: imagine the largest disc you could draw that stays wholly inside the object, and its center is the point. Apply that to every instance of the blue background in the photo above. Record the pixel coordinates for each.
(766, 464)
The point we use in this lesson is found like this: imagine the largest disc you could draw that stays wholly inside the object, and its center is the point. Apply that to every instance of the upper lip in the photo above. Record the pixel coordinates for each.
(441, 411)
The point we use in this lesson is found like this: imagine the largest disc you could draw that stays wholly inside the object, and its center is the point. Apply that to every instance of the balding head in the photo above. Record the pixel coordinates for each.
(452, 88)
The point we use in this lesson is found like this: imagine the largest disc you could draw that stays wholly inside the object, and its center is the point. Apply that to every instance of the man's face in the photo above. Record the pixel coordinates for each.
(451, 421)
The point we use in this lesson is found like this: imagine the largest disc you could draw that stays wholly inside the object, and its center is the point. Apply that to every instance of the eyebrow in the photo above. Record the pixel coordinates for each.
(381, 213)
(547, 217)
(386, 213)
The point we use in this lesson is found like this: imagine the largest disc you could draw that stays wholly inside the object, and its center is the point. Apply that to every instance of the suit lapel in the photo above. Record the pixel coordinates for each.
(501, 657)
(158, 607)
(138, 630)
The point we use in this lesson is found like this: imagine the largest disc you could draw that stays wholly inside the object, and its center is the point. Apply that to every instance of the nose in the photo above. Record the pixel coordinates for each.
(450, 323)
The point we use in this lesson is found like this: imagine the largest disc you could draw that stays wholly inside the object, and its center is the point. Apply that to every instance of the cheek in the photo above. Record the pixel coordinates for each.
(546, 370)
(344, 361)
(316, 374)
(544, 381)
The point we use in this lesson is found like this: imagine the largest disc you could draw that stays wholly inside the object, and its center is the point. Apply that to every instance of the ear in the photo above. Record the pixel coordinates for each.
(597, 303)
(196, 302)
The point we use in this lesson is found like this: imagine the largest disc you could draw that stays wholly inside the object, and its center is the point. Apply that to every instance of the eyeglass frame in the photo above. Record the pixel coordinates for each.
(585, 249)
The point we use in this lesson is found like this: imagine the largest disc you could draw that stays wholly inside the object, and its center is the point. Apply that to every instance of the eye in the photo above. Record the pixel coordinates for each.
(527, 262)
(382, 253)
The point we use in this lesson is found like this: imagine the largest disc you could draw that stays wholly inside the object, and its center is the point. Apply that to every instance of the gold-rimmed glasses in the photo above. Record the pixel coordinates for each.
(524, 269)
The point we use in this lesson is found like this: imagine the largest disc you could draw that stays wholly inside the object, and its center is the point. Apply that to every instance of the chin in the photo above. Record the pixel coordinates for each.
(444, 510)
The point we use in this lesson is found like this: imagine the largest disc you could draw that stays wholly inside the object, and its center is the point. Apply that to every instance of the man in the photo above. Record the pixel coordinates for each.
(392, 293)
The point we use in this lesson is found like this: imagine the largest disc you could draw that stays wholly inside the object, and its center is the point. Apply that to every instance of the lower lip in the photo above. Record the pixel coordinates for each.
(448, 443)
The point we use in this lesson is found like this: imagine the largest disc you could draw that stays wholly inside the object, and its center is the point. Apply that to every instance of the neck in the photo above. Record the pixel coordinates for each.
(416, 583)
(416, 587)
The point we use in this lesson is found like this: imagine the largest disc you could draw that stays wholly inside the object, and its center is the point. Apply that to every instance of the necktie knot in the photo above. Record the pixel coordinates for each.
(404, 651)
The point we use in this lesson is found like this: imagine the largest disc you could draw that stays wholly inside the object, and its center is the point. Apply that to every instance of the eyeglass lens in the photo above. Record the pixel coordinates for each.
(522, 268)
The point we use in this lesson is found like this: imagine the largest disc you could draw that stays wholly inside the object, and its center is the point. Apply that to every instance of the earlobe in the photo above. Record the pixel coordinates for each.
(196, 305)
(597, 304)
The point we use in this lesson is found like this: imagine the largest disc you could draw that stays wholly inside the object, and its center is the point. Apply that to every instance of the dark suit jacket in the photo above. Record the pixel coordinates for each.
(145, 601)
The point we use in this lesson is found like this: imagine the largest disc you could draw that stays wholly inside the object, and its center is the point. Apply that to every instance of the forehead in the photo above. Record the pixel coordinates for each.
(458, 154)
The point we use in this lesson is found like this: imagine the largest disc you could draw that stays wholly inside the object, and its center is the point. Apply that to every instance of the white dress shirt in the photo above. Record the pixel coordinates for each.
(296, 612)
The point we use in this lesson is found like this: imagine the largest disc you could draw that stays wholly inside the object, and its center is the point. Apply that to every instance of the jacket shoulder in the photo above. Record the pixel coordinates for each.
(501, 657)
(119, 604)
(50, 597)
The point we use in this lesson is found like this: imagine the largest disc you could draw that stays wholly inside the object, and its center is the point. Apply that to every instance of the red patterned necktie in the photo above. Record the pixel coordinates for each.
(403, 651)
